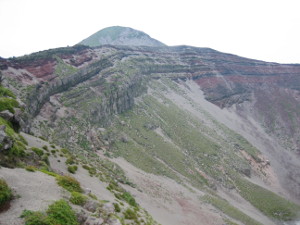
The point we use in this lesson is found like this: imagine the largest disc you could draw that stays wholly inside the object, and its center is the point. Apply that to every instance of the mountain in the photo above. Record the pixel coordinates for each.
(117, 35)
(189, 135)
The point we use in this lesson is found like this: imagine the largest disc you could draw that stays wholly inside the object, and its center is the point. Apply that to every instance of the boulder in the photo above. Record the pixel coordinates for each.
(113, 221)
(6, 141)
(94, 221)
(91, 205)
(108, 208)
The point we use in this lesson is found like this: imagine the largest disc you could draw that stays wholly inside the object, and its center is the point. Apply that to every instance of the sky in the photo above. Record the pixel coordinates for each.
(260, 29)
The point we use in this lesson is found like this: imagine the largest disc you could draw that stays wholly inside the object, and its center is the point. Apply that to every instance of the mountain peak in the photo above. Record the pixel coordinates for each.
(117, 35)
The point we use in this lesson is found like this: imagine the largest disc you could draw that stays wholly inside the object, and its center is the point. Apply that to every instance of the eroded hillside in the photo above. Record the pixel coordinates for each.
(205, 129)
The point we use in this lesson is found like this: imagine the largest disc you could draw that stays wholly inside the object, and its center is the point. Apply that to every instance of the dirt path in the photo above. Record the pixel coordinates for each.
(35, 190)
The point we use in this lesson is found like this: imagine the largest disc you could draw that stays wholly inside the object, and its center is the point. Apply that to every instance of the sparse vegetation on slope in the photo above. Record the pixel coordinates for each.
(268, 202)
(60, 212)
(230, 210)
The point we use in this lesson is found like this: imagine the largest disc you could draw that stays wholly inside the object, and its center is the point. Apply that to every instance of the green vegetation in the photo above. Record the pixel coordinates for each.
(78, 198)
(130, 214)
(268, 202)
(92, 171)
(60, 212)
(8, 104)
(63, 69)
(4, 92)
(229, 210)
(69, 183)
(117, 207)
(18, 149)
(30, 168)
(5, 192)
(72, 169)
(126, 196)
(38, 151)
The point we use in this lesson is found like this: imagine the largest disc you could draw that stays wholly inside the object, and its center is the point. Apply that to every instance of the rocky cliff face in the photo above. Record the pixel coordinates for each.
(195, 115)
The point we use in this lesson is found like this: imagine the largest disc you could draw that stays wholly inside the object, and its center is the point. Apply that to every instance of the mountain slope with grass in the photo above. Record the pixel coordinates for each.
(118, 35)
(187, 135)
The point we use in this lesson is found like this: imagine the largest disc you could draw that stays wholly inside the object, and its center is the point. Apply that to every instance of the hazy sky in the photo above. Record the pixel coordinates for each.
(259, 29)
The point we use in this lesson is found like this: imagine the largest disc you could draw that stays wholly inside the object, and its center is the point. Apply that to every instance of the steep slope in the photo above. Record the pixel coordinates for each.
(120, 36)
(188, 115)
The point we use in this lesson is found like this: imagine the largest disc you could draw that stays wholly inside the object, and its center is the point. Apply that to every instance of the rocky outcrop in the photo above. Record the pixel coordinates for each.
(5, 140)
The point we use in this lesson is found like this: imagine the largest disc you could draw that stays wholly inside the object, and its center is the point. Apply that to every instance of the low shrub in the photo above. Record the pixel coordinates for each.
(130, 214)
(5, 192)
(128, 198)
(117, 207)
(69, 183)
(70, 160)
(38, 151)
(77, 198)
(35, 218)
(58, 213)
(18, 149)
(65, 151)
(72, 169)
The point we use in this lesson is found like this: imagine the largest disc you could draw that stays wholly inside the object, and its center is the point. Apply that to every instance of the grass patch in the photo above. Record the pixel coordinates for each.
(130, 214)
(4, 92)
(58, 213)
(5, 192)
(69, 183)
(72, 169)
(38, 151)
(30, 168)
(8, 104)
(268, 202)
(229, 210)
(126, 196)
(78, 198)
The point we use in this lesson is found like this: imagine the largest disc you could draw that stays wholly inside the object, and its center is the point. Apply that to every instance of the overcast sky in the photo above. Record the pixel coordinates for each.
(268, 30)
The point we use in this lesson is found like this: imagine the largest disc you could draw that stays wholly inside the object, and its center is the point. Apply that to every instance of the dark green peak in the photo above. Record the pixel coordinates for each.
(118, 35)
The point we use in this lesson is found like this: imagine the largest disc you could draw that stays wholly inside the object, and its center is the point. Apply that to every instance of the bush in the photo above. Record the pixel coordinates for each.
(38, 151)
(117, 207)
(129, 199)
(70, 160)
(35, 218)
(77, 198)
(5, 192)
(60, 212)
(65, 151)
(72, 169)
(129, 214)
(69, 183)
(18, 149)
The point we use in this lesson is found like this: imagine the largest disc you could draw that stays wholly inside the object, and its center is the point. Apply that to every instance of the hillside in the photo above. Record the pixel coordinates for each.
(117, 35)
(193, 135)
